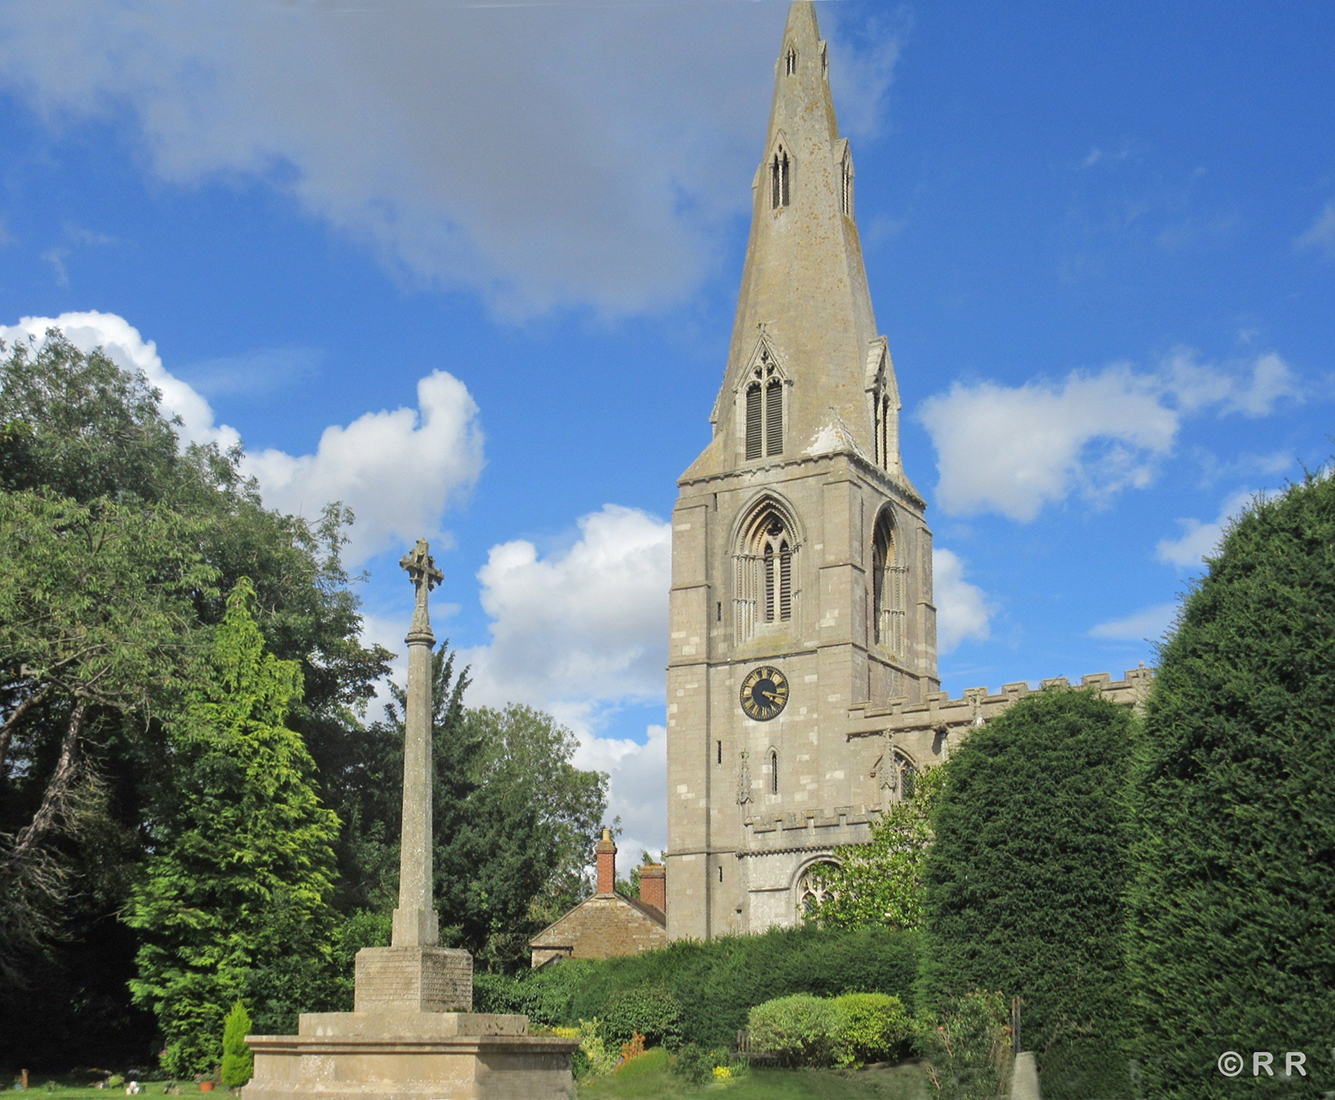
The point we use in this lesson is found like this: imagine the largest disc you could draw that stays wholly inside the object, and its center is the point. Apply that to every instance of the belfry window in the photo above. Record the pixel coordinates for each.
(764, 410)
(780, 172)
(790, 61)
(888, 581)
(763, 592)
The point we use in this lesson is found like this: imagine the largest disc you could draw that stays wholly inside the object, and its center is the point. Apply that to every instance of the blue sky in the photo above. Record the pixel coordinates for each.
(471, 268)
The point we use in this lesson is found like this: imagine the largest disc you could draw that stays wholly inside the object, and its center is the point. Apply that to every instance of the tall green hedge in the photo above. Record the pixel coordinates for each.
(1024, 883)
(715, 983)
(1232, 936)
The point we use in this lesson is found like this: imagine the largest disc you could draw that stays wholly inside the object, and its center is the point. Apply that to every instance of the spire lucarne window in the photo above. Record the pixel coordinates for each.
(780, 172)
(764, 410)
(846, 186)
(763, 574)
(790, 61)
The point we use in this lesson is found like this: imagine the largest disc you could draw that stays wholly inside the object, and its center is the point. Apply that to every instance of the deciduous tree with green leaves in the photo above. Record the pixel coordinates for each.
(880, 883)
(242, 869)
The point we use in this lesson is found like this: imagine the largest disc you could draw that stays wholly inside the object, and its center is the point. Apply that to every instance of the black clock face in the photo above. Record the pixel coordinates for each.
(764, 693)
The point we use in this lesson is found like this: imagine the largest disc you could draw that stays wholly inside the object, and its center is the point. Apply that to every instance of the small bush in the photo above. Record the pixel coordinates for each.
(693, 1064)
(650, 1011)
(876, 1028)
(968, 1048)
(238, 1062)
(800, 1030)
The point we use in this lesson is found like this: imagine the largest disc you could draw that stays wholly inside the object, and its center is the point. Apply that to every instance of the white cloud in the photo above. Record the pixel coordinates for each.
(1250, 388)
(1015, 449)
(1320, 235)
(584, 627)
(1198, 540)
(961, 608)
(580, 633)
(397, 470)
(364, 464)
(637, 788)
(1149, 623)
(544, 154)
(126, 348)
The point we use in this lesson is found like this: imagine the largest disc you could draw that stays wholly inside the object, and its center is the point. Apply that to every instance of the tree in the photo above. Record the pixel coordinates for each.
(78, 432)
(238, 1061)
(533, 824)
(880, 883)
(1025, 881)
(243, 867)
(1232, 929)
(97, 623)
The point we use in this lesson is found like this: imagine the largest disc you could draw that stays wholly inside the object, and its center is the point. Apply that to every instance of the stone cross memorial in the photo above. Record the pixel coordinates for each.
(412, 1034)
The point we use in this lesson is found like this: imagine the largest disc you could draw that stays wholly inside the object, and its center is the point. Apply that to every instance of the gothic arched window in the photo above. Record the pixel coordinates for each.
(764, 409)
(812, 888)
(773, 771)
(780, 172)
(888, 578)
(763, 595)
(790, 61)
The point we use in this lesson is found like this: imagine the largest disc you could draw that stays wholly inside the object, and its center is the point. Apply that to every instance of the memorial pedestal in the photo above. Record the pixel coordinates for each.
(407, 1055)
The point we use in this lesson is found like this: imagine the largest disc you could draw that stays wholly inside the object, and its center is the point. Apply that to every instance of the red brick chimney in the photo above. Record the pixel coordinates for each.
(607, 864)
(653, 886)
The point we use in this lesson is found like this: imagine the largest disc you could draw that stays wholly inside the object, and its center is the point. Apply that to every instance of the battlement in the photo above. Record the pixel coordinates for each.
(976, 706)
(804, 830)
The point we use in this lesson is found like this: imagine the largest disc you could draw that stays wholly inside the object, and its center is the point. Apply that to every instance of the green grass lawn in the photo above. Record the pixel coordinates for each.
(648, 1078)
(44, 1088)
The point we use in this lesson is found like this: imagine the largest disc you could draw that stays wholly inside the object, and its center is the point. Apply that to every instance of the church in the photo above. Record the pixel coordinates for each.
(802, 687)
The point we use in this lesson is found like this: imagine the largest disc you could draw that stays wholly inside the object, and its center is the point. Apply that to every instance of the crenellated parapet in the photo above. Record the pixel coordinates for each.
(952, 719)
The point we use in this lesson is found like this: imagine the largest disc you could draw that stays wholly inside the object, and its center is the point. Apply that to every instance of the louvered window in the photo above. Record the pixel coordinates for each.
(889, 582)
(753, 420)
(846, 187)
(774, 418)
(763, 593)
(790, 61)
(764, 412)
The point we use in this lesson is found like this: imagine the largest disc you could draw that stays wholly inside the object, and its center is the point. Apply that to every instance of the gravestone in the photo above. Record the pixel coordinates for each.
(412, 1034)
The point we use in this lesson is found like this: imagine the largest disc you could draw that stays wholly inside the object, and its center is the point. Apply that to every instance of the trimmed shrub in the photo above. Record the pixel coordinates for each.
(1026, 879)
(238, 1062)
(1232, 931)
(719, 981)
(800, 1030)
(876, 1027)
(650, 1011)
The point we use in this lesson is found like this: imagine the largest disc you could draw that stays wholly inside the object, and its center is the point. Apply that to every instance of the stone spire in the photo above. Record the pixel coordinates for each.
(804, 297)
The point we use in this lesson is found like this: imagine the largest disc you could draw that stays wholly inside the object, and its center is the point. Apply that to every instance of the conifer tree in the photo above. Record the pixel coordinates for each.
(238, 1060)
(241, 872)
(1024, 882)
(1232, 929)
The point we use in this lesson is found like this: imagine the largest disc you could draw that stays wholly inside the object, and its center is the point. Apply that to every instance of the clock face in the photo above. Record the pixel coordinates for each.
(764, 693)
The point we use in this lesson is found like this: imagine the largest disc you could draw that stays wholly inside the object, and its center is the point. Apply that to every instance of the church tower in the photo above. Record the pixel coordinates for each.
(801, 561)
